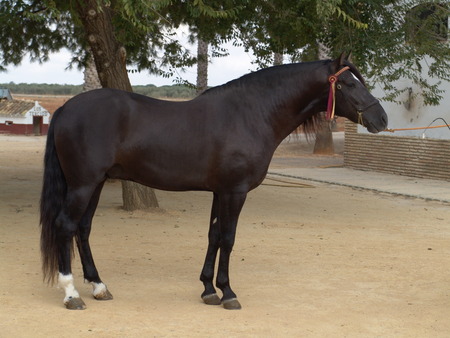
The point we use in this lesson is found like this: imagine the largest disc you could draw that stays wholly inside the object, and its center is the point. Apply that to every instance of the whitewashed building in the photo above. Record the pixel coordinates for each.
(22, 117)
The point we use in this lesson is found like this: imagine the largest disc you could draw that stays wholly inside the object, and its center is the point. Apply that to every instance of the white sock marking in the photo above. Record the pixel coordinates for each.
(66, 282)
(98, 288)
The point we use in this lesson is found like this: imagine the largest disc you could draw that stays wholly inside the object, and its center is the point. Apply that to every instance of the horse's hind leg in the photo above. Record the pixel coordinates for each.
(90, 272)
(210, 296)
(66, 225)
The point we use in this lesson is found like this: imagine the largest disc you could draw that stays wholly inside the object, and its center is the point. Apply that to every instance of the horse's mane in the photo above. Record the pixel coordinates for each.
(274, 74)
(252, 78)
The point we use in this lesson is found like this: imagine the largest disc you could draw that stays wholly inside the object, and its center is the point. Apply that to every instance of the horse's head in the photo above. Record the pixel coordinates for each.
(353, 100)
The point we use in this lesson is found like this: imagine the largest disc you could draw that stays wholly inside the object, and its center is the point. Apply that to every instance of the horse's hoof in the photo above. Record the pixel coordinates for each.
(104, 295)
(75, 304)
(231, 304)
(212, 299)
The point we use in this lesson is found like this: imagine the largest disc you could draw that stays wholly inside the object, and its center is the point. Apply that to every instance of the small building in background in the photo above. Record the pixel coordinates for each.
(5, 94)
(22, 117)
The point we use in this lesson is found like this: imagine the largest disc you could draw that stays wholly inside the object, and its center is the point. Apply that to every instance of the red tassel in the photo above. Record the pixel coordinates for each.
(331, 96)
(330, 103)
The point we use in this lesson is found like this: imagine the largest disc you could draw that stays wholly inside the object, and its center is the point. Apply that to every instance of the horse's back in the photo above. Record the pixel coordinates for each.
(112, 133)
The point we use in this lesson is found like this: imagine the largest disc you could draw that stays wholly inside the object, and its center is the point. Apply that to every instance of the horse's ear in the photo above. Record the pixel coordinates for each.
(349, 57)
(342, 59)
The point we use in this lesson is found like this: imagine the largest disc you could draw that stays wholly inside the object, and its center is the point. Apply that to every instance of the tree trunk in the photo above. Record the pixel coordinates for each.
(277, 59)
(324, 138)
(138, 196)
(91, 80)
(110, 61)
(109, 55)
(202, 66)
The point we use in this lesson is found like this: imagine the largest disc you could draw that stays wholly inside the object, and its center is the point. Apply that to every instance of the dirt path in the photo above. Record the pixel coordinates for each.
(323, 261)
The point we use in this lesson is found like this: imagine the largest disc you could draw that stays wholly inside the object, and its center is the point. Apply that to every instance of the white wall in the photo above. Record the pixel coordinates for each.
(416, 114)
(37, 110)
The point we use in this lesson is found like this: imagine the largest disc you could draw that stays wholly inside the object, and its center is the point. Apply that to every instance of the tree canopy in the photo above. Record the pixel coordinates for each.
(399, 39)
(389, 39)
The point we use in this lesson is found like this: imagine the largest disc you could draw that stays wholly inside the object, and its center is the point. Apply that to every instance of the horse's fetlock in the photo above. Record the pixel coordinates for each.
(222, 284)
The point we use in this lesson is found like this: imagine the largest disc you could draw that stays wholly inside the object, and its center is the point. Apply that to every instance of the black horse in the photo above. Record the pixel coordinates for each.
(222, 141)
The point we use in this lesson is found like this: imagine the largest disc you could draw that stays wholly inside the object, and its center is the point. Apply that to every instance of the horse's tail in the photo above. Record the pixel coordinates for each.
(53, 194)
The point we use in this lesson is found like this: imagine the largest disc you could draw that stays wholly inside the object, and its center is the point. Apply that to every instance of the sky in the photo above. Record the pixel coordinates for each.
(221, 70)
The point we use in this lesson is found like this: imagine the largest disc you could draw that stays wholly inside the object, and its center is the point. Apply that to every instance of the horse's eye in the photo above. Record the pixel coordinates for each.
(338, 86)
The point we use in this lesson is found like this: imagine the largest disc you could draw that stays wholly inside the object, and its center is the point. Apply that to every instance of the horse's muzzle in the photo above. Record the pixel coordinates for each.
(374, 119)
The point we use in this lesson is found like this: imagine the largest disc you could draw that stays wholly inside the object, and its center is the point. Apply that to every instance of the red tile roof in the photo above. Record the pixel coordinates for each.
(15, 108)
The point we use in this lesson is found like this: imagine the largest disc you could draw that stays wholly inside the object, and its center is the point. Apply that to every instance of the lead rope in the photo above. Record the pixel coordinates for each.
(332, 93)
(424, 128)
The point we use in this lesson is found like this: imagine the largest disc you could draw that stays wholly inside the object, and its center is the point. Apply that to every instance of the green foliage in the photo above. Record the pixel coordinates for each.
(29, 27)
(348, 19)
(212, 21)
(42, 88)
(330, 8)
(200, 9)
(390, 39)
(290, 27)
(146, 29)
(395, 45)
(171, 92)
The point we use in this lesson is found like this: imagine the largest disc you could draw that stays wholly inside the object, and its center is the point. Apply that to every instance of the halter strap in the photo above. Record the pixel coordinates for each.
(332, 94)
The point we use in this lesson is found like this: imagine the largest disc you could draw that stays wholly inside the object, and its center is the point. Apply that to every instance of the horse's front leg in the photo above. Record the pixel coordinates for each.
(99, 289)
(230, 206)
(210, 296)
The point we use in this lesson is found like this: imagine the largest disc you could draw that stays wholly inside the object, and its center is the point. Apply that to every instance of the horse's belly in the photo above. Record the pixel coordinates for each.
(175, 175)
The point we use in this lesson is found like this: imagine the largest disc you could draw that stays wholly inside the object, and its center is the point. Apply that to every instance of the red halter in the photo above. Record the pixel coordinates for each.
(332, 95)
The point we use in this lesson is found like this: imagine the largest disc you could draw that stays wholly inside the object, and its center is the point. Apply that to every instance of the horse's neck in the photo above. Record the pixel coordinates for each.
(305, 97)
(280, 100)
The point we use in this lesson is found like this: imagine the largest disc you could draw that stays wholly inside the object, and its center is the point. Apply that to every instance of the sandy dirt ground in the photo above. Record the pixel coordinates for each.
(317, 261)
